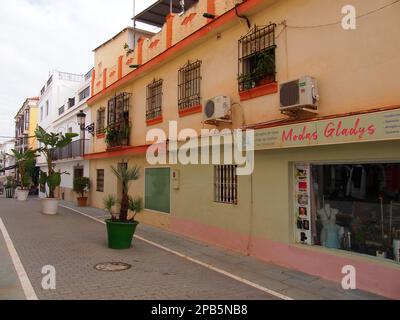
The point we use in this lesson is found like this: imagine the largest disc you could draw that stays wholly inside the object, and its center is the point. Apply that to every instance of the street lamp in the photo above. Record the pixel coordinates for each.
(81, 120)
(82, 124)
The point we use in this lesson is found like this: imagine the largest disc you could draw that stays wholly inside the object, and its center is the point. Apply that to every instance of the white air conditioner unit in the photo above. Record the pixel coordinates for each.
(299, 95)
(218, 109)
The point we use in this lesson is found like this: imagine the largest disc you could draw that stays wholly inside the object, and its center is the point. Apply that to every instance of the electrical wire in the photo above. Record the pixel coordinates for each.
(339, 22)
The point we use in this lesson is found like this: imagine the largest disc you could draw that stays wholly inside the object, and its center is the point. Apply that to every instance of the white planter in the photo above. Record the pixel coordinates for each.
(50, 206)
(22, 195)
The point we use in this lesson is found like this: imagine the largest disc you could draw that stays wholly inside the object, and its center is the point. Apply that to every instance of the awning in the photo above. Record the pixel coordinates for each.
(156, 14)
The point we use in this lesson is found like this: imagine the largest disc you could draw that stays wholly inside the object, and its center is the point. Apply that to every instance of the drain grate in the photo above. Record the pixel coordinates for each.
(112, 266)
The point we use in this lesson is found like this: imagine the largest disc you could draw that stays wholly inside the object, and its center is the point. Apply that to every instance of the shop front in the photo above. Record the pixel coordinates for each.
(352, 206)
(327, 195)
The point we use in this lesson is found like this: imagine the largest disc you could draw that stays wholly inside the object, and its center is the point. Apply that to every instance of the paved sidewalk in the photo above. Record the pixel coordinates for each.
(294, 284)
(74, 244)
(10, 286)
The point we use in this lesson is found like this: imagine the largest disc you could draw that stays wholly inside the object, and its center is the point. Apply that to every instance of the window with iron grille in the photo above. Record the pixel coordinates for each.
(118, 108)
(78, 172)
(225, 184)
(26, 126)
(100, 180)
(257, 58)
(101, 120)
(61, 110)
(154, 100)
(189, 80)
(85, 93)
(71, 102)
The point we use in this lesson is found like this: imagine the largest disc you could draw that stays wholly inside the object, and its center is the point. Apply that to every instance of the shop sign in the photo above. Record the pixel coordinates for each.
(375, 126)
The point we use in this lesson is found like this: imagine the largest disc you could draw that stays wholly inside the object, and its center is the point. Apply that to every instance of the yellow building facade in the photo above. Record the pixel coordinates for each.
(308, 166)
(25, 124)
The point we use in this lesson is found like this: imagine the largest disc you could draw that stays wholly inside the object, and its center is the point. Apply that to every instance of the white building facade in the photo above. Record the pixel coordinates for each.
(6, 161)
(59, 105)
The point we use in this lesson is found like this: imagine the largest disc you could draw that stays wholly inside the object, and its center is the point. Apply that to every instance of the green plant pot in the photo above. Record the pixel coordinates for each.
(120, 235)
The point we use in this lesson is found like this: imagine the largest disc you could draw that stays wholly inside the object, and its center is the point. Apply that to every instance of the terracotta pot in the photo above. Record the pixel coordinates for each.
(50, 206)
(82, 201)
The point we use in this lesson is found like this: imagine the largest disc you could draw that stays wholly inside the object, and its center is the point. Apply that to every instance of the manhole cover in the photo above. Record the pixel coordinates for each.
(112, 266)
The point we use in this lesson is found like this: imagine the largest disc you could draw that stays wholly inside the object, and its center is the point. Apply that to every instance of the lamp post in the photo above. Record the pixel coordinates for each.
(82, 124)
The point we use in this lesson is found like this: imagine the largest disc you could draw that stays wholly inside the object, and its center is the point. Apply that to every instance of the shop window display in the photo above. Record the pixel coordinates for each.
(353, 207)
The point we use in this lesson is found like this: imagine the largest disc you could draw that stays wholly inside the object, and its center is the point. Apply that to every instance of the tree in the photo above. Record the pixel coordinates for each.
(125, 175)
(25, 160)
(49, 142)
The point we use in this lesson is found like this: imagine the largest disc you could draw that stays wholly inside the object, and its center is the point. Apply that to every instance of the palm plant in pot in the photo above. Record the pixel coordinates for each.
(49, 142)
(24, 161)
(121, 228)
(80, 186)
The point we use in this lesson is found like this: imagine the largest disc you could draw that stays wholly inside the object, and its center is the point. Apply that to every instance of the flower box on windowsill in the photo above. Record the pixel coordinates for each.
(154, 121)
(191, 110)
(262, 90)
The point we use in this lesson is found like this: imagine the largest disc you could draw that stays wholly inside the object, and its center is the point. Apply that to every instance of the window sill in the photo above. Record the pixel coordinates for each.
(154, 121)
(189, 111)
(260, 91)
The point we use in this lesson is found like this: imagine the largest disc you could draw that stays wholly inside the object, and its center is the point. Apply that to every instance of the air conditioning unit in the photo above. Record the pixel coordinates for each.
(299, 95)
(218, 108)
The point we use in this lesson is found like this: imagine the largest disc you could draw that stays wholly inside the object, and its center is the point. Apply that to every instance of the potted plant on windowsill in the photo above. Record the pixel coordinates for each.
(264, 72)
(81, 185)
(24, 160)
(121, 228)
(49, 142)
(10, 186)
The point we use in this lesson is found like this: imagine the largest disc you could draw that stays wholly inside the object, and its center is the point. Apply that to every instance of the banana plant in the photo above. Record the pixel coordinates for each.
(49, 141)
(24, 160)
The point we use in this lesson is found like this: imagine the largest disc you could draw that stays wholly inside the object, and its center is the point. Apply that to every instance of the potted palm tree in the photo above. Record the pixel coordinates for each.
(109, 203)
(81, 185)
(24, 160)
(49, 142)
(121, 228)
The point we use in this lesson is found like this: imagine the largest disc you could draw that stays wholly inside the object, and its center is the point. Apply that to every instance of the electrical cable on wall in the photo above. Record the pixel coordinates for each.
(339, 22)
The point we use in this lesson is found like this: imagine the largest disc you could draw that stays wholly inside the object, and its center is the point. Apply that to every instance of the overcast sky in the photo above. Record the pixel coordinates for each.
(37, 36)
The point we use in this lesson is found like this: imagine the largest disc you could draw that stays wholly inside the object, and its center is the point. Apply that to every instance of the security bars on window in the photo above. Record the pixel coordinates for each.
(154, 100)
(100, 180)
(189, 80)
(85, 93)
(101, 118)
(118, 108)
(257, 57)
(226, 184)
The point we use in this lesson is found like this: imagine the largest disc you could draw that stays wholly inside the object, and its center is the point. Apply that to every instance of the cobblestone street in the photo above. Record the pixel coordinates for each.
(74, 244)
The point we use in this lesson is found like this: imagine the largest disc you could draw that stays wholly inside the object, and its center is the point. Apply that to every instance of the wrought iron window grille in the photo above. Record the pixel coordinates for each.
(256, 57)
(154, 100)
(189, 85)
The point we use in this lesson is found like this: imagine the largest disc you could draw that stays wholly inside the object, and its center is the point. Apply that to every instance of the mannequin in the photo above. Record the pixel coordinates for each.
(331, 233)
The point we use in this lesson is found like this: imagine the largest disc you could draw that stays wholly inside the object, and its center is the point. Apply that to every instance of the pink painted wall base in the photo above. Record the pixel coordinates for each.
(371, 276)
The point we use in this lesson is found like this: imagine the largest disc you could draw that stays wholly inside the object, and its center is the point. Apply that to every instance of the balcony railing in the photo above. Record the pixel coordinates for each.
(117, 134)
(74, 150)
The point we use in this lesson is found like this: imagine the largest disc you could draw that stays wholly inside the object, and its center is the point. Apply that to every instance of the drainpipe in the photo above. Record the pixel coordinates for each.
(242, 16)
(251, 218)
